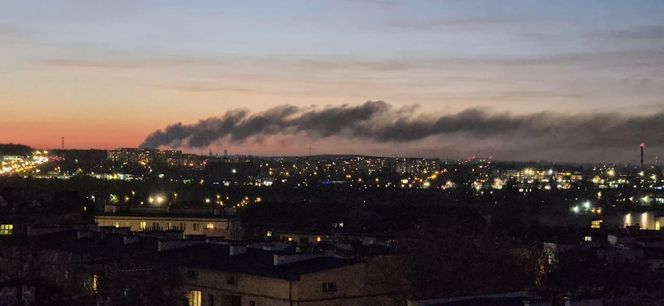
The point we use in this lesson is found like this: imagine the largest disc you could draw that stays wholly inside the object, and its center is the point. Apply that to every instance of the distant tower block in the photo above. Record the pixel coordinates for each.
(62, 145)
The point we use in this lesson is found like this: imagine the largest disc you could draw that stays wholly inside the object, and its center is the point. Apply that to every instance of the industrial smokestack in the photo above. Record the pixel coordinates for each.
(643, 145)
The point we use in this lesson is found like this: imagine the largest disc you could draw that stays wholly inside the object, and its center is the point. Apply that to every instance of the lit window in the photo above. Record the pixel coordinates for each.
(195, 298)
(587, 238)
(6, 229)
(209, 226)
(95, 282)
(143, 225)
(596, 224)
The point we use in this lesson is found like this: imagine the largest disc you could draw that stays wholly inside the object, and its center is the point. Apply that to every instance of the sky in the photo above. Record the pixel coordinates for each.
(108, 74)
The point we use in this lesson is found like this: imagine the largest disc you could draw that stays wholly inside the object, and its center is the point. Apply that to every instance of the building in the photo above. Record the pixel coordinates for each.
(213, 272)
(245, 276)
(309, 237)
(17, 293)
(190, 221)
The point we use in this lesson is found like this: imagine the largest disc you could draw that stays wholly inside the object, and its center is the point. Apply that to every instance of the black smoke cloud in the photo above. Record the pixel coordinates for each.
(380, 122)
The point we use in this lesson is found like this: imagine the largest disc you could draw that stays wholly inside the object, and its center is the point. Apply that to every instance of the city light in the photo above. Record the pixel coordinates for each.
(586, 205)
(157, 199)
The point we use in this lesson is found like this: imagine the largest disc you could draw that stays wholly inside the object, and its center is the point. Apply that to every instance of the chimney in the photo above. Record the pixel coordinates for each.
(165, 245)
(278, 260)
(38, 231)
(237, 250)
(80, 235)
(643, 145)
(130, 239)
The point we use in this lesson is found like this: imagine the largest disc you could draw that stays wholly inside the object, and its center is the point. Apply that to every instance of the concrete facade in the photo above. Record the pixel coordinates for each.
(347, 286)
(207, 226)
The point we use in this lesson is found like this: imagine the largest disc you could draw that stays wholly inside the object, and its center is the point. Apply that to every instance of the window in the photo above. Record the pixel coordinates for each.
(195, 226)
(143, 225)
(183, 226)
(252, 303)
(231, 280)
(210, 299)
(329, 287)
(588, 238)
(95, 283)
(209, 226)
(195, 298)
(6, 229)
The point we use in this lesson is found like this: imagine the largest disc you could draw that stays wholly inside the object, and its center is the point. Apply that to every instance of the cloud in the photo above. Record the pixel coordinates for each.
(10, 33)
(116, 62)
(655, 32)
(377, 122)
(8, 30)
(469, 23)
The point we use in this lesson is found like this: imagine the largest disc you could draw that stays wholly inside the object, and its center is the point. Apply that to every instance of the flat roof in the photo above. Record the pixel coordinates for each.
(165, 216)
(253, 262)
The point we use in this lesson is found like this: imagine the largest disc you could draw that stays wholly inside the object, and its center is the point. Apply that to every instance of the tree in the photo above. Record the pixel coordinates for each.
(458, 256)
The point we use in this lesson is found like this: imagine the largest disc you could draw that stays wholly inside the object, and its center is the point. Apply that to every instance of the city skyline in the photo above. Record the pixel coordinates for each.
(332, 152)
(107, 76)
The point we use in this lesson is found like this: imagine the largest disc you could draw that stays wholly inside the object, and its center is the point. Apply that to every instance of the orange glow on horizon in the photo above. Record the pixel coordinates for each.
(48, 135)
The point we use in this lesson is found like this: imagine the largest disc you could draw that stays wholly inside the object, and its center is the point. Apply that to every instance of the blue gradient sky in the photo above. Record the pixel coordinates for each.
(107, 73)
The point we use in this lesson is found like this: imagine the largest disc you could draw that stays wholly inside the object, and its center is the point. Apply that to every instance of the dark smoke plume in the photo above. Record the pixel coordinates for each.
(379, 122)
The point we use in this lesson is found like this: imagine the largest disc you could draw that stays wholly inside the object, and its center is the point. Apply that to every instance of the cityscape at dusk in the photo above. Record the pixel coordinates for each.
(107, 75)
(332, 153)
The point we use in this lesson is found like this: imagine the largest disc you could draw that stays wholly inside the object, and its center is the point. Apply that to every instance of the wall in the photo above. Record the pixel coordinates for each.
(352, 288)
(265, 291)
(229, 228)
